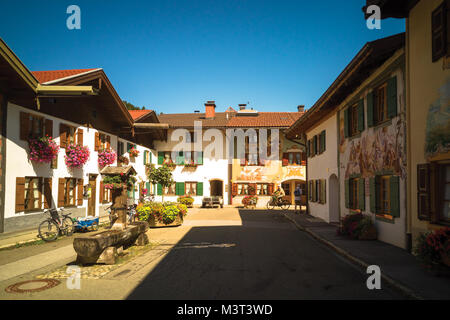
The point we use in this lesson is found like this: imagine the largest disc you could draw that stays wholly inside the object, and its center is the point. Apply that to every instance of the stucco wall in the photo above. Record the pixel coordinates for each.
(429, 98)
(378, 148)
(214, 167)
(323, 165)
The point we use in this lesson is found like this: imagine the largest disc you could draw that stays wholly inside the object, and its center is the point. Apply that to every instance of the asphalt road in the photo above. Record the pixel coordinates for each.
(264, 258)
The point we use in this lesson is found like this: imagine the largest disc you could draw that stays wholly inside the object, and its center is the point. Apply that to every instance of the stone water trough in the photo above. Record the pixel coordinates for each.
(105, 246)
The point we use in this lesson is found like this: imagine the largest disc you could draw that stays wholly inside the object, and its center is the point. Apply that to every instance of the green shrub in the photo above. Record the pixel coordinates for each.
(354, 225)
(186, 200)
(161, 212)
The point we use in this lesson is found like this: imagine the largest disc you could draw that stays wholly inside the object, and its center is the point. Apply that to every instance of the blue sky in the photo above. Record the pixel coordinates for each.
(172, 56)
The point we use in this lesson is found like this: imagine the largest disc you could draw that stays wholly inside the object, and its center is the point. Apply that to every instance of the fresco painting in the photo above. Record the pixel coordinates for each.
(437, 140)
(378, 150)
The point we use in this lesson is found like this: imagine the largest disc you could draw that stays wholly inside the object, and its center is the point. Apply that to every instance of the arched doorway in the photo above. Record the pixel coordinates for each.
(334, 199)
(289, 188)
(216, 187)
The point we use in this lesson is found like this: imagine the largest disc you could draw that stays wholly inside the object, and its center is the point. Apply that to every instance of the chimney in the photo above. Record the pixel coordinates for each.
(210, 111)
(301, 108)
(242, 106)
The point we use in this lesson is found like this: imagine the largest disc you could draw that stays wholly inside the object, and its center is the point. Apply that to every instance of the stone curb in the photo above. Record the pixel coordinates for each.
(391, 282)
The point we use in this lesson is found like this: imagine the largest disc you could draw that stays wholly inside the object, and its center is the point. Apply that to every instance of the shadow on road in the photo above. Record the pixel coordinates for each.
(265, 258)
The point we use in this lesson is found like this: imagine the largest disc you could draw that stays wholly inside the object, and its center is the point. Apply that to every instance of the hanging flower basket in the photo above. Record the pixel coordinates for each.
(76, 155)
(106, 157)
(43, 150)
(133, 152)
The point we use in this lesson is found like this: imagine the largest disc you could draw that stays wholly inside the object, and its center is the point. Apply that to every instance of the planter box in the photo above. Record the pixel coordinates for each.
(369, 234)
(153, 223)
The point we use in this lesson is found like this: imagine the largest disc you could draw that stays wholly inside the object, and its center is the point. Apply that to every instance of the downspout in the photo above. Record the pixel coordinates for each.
(408, 214)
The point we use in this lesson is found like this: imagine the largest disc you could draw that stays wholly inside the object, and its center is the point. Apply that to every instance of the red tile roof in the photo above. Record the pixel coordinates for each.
(265, 119)
(136, 114)
(45, 76)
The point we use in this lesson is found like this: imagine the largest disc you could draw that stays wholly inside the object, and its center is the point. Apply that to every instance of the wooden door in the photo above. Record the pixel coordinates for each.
(92, 202)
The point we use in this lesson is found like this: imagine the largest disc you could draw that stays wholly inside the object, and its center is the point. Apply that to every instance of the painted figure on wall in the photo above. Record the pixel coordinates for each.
(381, 151)
(437, 139)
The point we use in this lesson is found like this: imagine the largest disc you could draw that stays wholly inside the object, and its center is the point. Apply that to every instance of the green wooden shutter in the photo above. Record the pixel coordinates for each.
(179, 188)
(392, 97)
(199, 188)
(394, 182)
(180, 158)
(150, 157)
(324, 144)
(200, 157)
(159, 189)
(370, 110)
(361, 115)
(346, 127)
(129, 194)
(147, 186)
(373, 198)
(160, 157)
(361, 195)
(129, 146)
(145, 157)
(347, 193)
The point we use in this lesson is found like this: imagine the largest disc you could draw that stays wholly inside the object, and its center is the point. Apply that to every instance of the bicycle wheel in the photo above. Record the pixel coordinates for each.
(48, 230)
(285, 205)
(270, 205)
(67, 226)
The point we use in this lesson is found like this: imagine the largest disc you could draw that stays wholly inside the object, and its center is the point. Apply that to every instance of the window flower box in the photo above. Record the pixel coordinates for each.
(133, 152)
(43, 150)
(76, 155)
(106, 157)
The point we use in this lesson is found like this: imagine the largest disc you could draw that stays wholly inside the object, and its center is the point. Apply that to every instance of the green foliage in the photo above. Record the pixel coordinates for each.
(131, 106)
(186, 200)
(161, 212)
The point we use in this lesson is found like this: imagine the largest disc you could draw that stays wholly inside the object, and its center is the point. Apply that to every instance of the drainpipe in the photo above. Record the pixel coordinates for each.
(408, 213)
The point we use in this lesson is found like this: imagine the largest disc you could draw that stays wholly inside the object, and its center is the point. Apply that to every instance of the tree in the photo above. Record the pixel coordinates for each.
(131, 106)
(162, 175)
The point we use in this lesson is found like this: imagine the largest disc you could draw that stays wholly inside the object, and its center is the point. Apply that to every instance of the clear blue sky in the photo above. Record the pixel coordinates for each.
(172, 56)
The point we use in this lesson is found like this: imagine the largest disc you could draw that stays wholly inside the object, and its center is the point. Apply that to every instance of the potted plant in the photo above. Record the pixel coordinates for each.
(106, 157)
(432, 249)
(187, 200)
(43, 150)
(122, 160)
(161, 175)
(250, 201)
(76, 155)
(161, 214)
(357, 226)
(133, 152)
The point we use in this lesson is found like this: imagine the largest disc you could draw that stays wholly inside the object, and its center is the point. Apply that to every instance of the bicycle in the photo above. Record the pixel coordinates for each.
(55, 225)
(283, 203)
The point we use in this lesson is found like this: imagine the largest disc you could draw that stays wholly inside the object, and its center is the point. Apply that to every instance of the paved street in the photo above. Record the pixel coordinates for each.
(220, 254)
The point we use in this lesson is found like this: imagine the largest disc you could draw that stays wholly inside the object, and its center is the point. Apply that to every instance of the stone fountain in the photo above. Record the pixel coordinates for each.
(104, 247)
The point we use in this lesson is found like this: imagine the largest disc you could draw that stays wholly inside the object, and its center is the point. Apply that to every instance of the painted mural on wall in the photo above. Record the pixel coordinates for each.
(378, 150)
(437, 138)
(272, 172)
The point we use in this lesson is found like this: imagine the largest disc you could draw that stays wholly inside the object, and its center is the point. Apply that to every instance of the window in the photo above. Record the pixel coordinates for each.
(193, 157)
(191, 188)
(287, 188)
(33, 193)
(262, 189)
(169, 190)
(380, 105)
(242, 188)
(33, 126)
(384, 196)
(120, 148)
(104, 141)
(354, 119)
(322, 141)
(355, 194)
(69, 192)
(444, 197)
(294, 159)
(439, 32)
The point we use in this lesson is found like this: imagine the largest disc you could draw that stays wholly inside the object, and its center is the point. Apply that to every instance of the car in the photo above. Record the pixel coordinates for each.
(212, 201)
